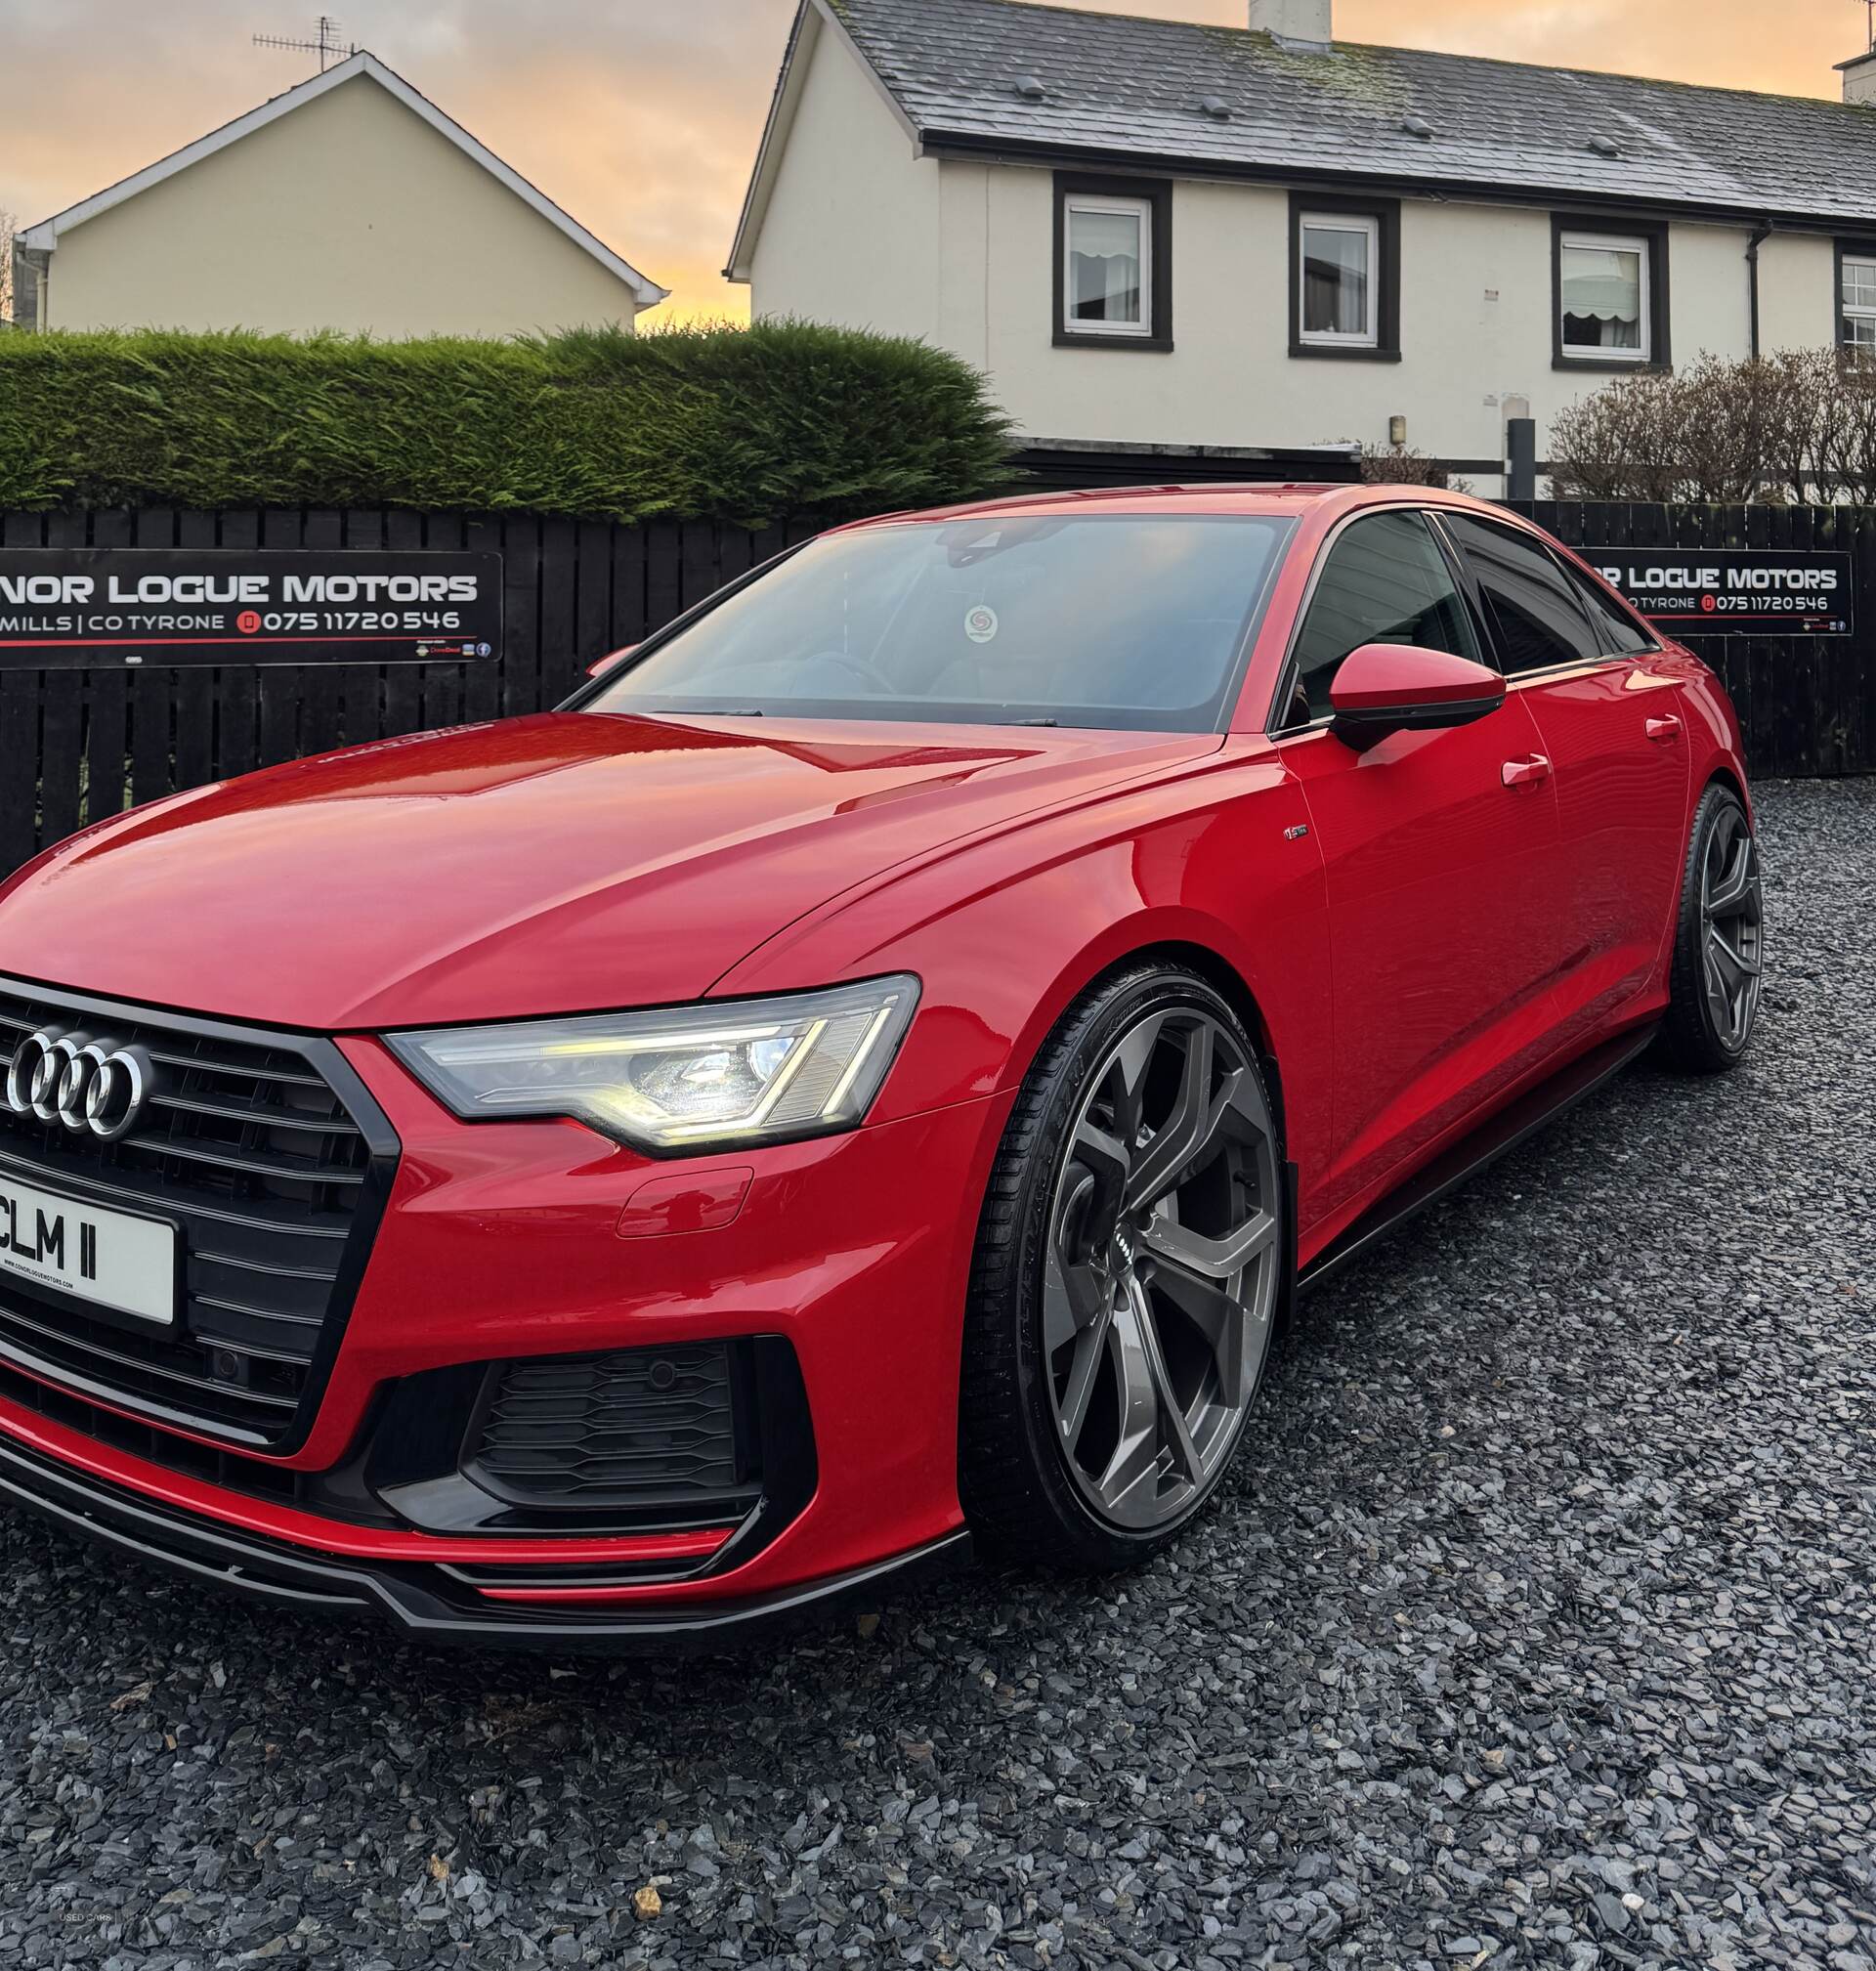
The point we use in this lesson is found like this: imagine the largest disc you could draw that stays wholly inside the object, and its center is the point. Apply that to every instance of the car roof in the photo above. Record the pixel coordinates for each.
(1274, 499)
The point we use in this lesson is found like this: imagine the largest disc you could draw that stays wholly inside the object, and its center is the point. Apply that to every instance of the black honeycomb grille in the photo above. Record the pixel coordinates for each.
(248, 1149)
(637, 1427)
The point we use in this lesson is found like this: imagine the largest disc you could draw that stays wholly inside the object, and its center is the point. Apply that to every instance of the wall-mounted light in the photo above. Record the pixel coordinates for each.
(1396, 431)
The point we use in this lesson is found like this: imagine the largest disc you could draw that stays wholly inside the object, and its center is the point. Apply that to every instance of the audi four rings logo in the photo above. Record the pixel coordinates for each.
(95, 1085)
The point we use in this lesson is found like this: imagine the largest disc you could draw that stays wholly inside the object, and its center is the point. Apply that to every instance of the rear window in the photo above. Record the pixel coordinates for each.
(1081, 619)
(1616, 634)
(1537, 619)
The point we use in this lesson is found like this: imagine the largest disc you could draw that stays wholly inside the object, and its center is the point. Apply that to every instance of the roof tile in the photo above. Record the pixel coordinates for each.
(1122, 85)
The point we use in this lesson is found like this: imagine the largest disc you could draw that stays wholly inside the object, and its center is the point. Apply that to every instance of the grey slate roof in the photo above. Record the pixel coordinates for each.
(1128, 87)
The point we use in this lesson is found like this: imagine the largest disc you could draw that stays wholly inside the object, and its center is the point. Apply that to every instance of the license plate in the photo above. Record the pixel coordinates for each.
(109, 1258)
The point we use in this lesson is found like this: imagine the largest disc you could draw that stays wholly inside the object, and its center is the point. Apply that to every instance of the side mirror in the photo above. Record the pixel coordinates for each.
(1385, 688)
(612, 658)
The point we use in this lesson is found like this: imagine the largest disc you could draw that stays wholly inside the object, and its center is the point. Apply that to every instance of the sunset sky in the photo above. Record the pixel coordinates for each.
(641, 117)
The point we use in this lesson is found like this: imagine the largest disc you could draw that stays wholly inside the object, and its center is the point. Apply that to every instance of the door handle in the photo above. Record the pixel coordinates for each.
(1664, 731)
(1525, 772)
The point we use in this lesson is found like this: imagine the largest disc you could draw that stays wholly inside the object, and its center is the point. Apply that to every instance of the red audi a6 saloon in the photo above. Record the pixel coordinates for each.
(871, 1069)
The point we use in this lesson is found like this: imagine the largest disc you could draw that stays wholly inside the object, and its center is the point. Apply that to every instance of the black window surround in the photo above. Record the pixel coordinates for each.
(1527, 640)
(1157, 195)
(1846, 249)
(1386, 215)
(1621, 225)
(1619, 632)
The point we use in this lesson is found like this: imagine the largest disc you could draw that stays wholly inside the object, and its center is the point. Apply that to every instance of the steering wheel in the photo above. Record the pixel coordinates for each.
(859, 667)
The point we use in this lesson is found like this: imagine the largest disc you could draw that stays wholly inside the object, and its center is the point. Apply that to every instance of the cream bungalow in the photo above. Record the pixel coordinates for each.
(349, 202)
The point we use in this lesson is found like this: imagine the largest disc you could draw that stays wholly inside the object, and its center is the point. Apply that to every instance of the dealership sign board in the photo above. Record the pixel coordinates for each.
(1732, 592)
(94, 607)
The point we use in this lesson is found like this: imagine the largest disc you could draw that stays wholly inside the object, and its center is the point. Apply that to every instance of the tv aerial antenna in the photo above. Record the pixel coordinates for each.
(1869, 13)
(329, 48)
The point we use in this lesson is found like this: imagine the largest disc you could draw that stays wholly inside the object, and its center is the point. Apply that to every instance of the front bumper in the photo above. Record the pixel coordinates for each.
(419, 1599)
(502, 1242)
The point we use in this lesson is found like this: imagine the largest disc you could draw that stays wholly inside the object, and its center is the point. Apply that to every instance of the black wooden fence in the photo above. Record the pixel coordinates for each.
(1807, 704)
(78, 745)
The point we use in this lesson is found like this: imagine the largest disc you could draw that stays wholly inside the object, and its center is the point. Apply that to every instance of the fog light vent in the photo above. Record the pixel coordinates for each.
(639, 1427)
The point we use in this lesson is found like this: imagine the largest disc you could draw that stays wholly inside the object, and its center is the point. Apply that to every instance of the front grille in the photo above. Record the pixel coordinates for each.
(637, 1427)
(248, 1148)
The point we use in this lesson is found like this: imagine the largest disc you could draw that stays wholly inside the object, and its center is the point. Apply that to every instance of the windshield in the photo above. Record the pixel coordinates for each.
(1123, 622)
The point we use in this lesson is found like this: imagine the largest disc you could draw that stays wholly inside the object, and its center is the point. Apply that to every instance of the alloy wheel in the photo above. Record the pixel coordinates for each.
(1732, 928)
(1162, 1269)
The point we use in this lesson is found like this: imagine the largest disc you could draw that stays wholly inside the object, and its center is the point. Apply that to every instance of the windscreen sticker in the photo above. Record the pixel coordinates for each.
(980, 622)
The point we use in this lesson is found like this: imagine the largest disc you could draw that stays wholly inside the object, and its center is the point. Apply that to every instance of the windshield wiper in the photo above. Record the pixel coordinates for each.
(715, 711)
(1035, 722)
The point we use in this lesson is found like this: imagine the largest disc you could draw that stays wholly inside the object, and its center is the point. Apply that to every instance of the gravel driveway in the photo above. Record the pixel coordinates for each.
(1536, 1629)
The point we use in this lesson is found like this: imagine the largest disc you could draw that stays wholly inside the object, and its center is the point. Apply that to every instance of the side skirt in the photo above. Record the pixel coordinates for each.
(1499, 1132)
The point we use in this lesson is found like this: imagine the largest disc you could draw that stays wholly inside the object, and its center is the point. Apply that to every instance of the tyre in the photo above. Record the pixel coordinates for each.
(1125, 1277)
(1718, 941)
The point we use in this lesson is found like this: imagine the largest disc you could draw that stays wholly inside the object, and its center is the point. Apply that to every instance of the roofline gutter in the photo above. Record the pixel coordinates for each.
(973, 147)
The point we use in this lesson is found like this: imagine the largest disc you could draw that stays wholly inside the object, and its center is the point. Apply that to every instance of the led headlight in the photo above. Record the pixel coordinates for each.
(741, 1071)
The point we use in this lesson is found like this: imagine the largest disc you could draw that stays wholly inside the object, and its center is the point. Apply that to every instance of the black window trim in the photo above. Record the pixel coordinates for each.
(1542, 673)
(1847, 246)
(1659, 358)
(1577, 570)
(1386, 213)
(1274, 726)
(1156, 195)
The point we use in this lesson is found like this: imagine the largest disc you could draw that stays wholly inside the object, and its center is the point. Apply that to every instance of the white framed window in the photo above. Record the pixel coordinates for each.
(1858, 305)
(1107, 265)
(1602, 297)
(1337, 269)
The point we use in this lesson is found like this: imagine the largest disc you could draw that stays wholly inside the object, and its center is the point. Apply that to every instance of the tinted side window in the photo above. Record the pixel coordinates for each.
(1385, 581)
(1534, 614)
(1616, 634)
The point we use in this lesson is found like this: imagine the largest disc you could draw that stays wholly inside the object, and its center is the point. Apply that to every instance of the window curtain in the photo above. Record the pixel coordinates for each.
(1601, 298)
(1104, 259)
(1334, 282)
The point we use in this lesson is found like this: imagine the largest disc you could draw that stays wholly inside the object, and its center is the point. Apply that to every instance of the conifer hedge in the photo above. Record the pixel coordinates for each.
(750, 425)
